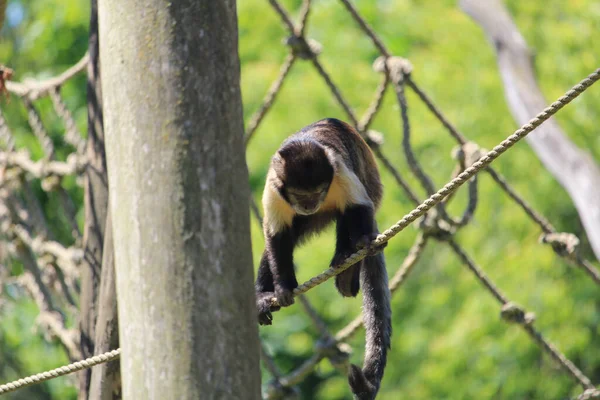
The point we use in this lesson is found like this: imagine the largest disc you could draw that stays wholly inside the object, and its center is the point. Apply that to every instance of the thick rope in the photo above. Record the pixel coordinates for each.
(453, 184)
(55, 373)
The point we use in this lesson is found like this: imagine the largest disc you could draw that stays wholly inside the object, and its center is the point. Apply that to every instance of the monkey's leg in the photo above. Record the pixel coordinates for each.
(356, 228)
(348, 281)
(363, 228)
(280, 253)
(265, 291)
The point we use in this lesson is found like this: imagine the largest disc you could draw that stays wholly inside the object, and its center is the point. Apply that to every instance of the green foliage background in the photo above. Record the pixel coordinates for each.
(449, 341)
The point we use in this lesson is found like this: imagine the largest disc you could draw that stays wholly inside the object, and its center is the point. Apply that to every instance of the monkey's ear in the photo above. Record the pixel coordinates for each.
(278, 165)
(334, 160)
(285, 152)
(277, 159)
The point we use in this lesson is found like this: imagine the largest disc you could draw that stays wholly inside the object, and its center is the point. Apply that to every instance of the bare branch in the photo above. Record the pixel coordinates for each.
(575, 169)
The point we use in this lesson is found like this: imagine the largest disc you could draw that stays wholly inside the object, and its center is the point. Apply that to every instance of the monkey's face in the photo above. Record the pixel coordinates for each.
(304, 174)
(307, 202)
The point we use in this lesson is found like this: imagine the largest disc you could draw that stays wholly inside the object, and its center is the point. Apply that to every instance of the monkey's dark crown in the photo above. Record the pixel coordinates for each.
(306, 164)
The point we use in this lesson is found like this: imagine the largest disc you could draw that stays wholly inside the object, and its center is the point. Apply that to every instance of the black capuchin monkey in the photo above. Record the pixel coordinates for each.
(324, 173)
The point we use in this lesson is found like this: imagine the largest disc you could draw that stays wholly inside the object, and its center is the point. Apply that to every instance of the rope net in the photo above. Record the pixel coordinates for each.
(26, 235)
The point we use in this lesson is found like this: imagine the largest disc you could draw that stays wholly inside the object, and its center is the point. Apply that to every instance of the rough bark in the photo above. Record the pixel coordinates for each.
(96, 207)
(573, 168)
(179, 199)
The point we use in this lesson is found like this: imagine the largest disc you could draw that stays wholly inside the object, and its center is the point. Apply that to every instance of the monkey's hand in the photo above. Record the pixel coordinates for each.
(364, 242)
(284, 295)
(264, 307)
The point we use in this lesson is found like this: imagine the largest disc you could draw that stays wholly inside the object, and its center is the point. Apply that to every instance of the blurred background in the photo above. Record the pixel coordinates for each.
(449, 341)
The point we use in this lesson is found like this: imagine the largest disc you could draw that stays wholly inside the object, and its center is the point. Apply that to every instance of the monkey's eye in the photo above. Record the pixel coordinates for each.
(305, 197)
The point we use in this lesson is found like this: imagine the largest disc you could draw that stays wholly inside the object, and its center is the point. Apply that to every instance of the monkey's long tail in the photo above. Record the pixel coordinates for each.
(377, 317)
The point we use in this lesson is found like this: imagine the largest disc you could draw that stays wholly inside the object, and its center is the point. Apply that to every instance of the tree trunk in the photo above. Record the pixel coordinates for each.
(96, 207)
(574, 168)
(179, 199)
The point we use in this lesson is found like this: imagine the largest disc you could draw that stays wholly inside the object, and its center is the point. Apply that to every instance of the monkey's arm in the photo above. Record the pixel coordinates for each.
(279, 251)
(264, 292)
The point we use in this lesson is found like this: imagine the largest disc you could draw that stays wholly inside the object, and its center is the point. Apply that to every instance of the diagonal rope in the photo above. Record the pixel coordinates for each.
(527, 326)
(270, 97)
(455, 183)
(55, 373)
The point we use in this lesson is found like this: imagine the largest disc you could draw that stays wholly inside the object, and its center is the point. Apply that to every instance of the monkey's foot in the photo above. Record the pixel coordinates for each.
(265, 318)
(339, 258)
(264, 307)
(348, 282)
(364, 242)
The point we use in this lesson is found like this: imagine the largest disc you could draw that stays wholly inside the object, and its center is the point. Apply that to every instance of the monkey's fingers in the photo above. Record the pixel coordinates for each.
(265, 307)
(284, 297)
(265, 318)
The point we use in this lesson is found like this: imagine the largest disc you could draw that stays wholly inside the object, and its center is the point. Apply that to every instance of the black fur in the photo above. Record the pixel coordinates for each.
(302, 163)
(377, 318)
(355, 228)
(306, 165)
(281, 247)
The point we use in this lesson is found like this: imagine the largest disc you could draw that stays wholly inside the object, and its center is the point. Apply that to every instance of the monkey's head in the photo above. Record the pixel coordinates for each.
(305, 174)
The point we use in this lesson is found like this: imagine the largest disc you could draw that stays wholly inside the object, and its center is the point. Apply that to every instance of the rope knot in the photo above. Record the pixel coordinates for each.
(50, 183)
(397, 67)
(468, 153)
(564, 244)
(9, 176)
(433, 226)
(513, 313)
(276, 391)
(337, 353)
(305, 49)
(374, 138)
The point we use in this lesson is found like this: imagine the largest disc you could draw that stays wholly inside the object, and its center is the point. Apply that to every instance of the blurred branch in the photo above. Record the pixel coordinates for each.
(105, 378)
(98, 301)
(575, 169)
